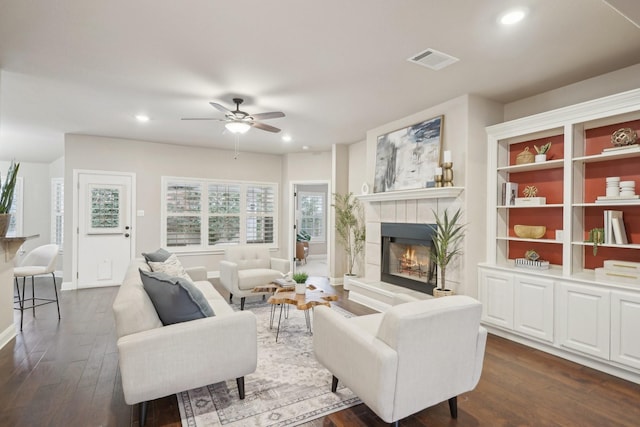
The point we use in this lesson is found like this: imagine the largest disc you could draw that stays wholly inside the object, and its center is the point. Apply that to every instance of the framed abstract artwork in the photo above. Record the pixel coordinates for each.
(407, 158)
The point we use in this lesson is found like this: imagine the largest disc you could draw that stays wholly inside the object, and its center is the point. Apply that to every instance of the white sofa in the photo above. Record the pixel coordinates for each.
(245, 267)
(157, 360)
(411, 357)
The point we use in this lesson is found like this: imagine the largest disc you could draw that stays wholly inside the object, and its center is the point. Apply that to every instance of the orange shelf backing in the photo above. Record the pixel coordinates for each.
(555, 152)
(599, 138)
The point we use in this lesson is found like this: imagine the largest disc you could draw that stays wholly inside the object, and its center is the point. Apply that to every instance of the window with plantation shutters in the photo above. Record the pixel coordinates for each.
(260, 213)
(183, 209)
(203, 214)
(57, 211)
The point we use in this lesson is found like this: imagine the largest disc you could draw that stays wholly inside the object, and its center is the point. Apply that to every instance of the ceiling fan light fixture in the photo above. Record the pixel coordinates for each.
(237, 126)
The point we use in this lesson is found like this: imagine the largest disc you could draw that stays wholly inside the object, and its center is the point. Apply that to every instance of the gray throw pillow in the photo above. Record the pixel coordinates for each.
(160, 255)
(175, 299)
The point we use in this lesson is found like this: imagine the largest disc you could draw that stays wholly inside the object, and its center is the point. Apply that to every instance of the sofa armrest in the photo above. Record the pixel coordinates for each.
(281, 264)
(197, 274)
(364, 363)
(173, 358)
(229, 275)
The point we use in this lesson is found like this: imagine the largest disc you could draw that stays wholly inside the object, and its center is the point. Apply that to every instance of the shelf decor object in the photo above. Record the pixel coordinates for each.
(529, 231)
(447, 174)
(525, 157)
(623, 137)
(542, 152)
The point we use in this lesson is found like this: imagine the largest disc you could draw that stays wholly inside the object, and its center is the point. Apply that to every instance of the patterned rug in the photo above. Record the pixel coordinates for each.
(288, 388)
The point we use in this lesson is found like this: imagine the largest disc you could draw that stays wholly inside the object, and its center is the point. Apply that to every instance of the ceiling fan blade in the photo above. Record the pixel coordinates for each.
(204, 118)
(220, 108)
(266, 127)
(271, 115)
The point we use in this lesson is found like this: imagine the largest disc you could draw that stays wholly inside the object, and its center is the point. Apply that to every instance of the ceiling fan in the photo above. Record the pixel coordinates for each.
(238, 121)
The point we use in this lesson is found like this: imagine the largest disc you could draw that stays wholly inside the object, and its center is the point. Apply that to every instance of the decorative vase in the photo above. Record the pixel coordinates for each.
(5, 220)
(437, 292)
(540, 158)
(301, 288)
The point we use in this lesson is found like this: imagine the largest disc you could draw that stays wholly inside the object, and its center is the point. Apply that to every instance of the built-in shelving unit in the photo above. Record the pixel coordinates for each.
(568, 309)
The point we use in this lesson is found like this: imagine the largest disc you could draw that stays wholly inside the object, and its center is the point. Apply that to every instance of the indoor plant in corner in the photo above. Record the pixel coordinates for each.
(6, 197)
(446, 239)
(350, 229)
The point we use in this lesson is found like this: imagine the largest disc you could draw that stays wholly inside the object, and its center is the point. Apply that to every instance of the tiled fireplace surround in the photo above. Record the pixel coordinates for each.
(369, 290)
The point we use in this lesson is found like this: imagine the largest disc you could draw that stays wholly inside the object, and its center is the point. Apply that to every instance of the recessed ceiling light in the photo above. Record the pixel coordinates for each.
(513, 16)
(305, 147)
(142, 118)
(286, 138)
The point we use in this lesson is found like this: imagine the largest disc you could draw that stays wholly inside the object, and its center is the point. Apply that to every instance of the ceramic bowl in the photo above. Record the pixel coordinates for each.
(530, 231)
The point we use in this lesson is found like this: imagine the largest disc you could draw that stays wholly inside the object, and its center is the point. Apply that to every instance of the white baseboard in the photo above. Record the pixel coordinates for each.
(7, 335)
(67, 286)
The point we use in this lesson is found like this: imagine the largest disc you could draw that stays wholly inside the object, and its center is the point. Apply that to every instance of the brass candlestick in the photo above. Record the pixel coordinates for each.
(438, 179)
(447, 174)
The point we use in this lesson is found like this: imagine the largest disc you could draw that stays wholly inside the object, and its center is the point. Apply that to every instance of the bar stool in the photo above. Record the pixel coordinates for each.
(40, 261)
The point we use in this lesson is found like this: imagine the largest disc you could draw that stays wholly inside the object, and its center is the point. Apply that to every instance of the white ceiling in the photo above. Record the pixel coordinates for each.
(336, 68)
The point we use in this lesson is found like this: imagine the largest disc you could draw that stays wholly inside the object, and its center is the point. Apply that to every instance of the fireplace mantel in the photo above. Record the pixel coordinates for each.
(420, 193)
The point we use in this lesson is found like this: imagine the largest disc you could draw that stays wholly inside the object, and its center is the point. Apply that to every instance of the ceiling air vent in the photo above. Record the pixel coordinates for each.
(433, 59)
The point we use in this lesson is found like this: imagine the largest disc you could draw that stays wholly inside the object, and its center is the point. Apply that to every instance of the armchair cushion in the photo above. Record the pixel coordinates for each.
(249, 279)
(159, 255)
(175, 299)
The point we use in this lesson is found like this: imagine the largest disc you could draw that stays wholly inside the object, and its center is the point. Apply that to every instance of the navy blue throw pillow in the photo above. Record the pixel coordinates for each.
(176, 299)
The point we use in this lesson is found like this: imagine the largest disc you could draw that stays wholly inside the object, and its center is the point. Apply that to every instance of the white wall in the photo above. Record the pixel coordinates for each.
(607, 84)
(150, 161)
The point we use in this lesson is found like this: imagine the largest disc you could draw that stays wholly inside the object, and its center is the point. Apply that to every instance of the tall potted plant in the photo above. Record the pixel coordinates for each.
(447, 239)
(350, 228)
(6, 196)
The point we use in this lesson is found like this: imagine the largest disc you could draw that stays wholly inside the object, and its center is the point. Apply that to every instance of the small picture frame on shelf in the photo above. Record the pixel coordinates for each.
(509, 193)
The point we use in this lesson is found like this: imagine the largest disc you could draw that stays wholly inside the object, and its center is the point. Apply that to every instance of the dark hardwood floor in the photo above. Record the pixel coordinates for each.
(65, 373)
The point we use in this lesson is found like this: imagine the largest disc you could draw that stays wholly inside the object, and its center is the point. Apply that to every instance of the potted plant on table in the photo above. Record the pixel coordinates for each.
(350, 229)
(6, 197)
(301, 282)
(446, 239)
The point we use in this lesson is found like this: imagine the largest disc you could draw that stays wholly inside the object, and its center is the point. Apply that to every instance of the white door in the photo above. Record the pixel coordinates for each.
(104, 228)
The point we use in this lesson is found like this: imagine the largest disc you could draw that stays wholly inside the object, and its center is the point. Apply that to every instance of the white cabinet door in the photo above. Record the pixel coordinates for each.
(583, 319)
(533, 306)
(625, 332)
(496, 295)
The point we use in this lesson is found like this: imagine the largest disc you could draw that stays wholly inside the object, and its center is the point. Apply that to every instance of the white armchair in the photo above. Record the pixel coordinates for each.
(245, 267)
(413, 356)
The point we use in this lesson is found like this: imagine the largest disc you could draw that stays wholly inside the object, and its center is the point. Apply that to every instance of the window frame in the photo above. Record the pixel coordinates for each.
(204, 213)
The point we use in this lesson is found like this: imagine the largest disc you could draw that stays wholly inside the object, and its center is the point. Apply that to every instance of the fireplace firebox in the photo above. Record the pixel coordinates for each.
(406, 256)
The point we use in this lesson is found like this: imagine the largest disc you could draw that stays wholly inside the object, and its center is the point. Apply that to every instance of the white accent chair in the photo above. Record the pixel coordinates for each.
(245, 267)
(41, 260)
(411, 357)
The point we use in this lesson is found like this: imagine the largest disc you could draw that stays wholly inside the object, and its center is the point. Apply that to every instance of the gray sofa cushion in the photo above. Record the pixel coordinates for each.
(160, 255)
(174, 298)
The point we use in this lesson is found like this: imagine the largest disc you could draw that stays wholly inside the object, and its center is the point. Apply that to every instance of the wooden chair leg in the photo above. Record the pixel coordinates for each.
(453, 407)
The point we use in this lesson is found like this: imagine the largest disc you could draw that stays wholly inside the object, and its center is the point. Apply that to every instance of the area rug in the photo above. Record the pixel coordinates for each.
(288, 388)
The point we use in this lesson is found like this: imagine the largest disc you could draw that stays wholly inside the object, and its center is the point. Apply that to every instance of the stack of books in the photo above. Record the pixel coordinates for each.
(614, 229)
(533, 265)
(619, 271)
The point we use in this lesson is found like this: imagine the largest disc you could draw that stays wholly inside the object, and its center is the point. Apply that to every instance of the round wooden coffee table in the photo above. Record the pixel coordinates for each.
(305, 302)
